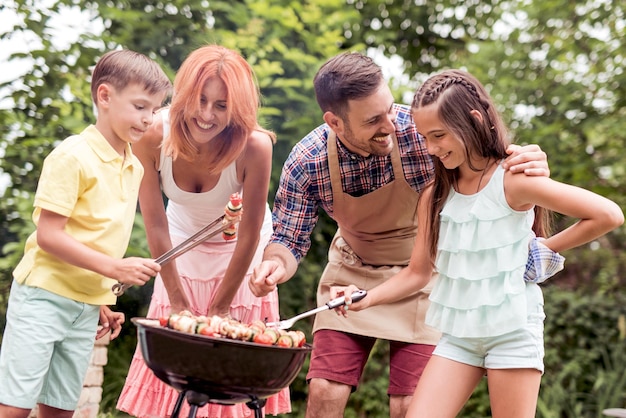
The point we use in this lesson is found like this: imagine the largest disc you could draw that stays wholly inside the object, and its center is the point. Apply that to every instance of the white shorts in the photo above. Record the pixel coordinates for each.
(519, 349)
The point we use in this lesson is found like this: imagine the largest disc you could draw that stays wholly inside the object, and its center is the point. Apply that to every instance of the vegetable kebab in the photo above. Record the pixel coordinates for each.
(216, 326)
(232, 215)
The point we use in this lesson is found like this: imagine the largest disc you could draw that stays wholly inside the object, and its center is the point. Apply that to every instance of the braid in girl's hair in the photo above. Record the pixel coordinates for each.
(429, 94)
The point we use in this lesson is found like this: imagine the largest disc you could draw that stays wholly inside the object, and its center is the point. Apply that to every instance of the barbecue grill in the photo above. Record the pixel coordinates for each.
(217, 370)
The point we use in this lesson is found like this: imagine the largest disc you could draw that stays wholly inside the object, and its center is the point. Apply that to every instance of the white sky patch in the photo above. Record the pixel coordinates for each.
(392, 68)
(16, 42)
(525, 113)
(65, 29)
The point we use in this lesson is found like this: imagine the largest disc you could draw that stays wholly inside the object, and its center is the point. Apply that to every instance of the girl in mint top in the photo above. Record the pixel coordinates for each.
(481, 258)
(476, 224)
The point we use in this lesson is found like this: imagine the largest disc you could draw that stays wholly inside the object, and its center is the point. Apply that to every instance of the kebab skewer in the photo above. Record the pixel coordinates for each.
(232, 214)
(218, 327)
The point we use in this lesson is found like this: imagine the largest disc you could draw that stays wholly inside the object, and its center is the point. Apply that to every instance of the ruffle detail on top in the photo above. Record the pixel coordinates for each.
(482, 255)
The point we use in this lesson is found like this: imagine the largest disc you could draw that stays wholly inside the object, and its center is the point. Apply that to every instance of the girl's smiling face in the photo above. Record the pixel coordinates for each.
(440, 141)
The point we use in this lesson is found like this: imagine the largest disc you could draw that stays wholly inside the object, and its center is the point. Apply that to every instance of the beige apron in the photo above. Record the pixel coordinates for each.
(373, 242)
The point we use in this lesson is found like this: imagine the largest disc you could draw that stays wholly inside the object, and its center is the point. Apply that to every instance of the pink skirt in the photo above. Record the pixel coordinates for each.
(201, 271)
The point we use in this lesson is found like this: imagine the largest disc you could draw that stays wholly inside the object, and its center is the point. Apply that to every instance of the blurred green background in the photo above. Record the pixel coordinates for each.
(555, 68)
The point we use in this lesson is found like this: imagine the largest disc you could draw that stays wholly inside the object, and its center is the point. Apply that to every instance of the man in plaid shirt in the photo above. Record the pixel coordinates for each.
(365, 167)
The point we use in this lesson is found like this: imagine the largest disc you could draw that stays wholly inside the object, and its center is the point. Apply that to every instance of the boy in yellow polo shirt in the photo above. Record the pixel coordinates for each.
(84, 210)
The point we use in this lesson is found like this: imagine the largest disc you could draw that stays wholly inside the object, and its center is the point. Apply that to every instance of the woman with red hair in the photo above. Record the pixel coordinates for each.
(204, 147)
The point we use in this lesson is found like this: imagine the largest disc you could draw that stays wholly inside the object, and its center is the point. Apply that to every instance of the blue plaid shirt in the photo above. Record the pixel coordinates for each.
(542, 263)
(305, 188)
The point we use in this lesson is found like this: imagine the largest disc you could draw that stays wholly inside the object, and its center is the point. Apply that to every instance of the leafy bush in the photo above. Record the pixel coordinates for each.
(585, 354)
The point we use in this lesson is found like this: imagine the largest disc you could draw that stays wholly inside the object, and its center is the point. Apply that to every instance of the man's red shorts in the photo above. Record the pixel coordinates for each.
(341, 357)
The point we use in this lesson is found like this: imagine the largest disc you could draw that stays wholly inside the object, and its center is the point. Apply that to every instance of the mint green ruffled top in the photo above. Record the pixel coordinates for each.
(482, 254)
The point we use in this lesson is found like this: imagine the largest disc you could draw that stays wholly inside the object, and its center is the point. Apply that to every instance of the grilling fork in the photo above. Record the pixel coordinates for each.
(331, 304)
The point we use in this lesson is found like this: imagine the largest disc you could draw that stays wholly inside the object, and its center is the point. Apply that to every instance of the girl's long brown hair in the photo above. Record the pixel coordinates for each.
(214, 61)
(456, 93)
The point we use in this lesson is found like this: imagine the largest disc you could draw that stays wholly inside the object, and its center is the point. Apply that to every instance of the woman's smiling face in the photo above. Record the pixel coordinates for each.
(211, 118)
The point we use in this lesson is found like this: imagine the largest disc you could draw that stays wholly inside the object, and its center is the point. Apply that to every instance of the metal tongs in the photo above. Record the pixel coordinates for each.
(331, 304)
(191, 242)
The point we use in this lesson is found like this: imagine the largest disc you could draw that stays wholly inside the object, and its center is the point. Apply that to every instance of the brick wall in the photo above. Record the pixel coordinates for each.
(90, 397)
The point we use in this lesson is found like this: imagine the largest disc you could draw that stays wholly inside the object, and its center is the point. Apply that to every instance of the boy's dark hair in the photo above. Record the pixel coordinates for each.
(123, 67)
(347, 76)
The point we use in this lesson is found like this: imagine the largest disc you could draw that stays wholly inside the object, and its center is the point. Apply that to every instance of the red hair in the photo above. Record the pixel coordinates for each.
(242, 103)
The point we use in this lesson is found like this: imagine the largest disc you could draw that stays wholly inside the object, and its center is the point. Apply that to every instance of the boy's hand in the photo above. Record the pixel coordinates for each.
(110, 321)
(528, 159)
(134, 271)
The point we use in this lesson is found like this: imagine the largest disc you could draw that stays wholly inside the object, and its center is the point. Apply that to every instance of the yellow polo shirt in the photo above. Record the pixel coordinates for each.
(87, 181)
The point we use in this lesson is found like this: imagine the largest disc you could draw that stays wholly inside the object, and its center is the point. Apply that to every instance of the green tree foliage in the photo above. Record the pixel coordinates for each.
(555, 68)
